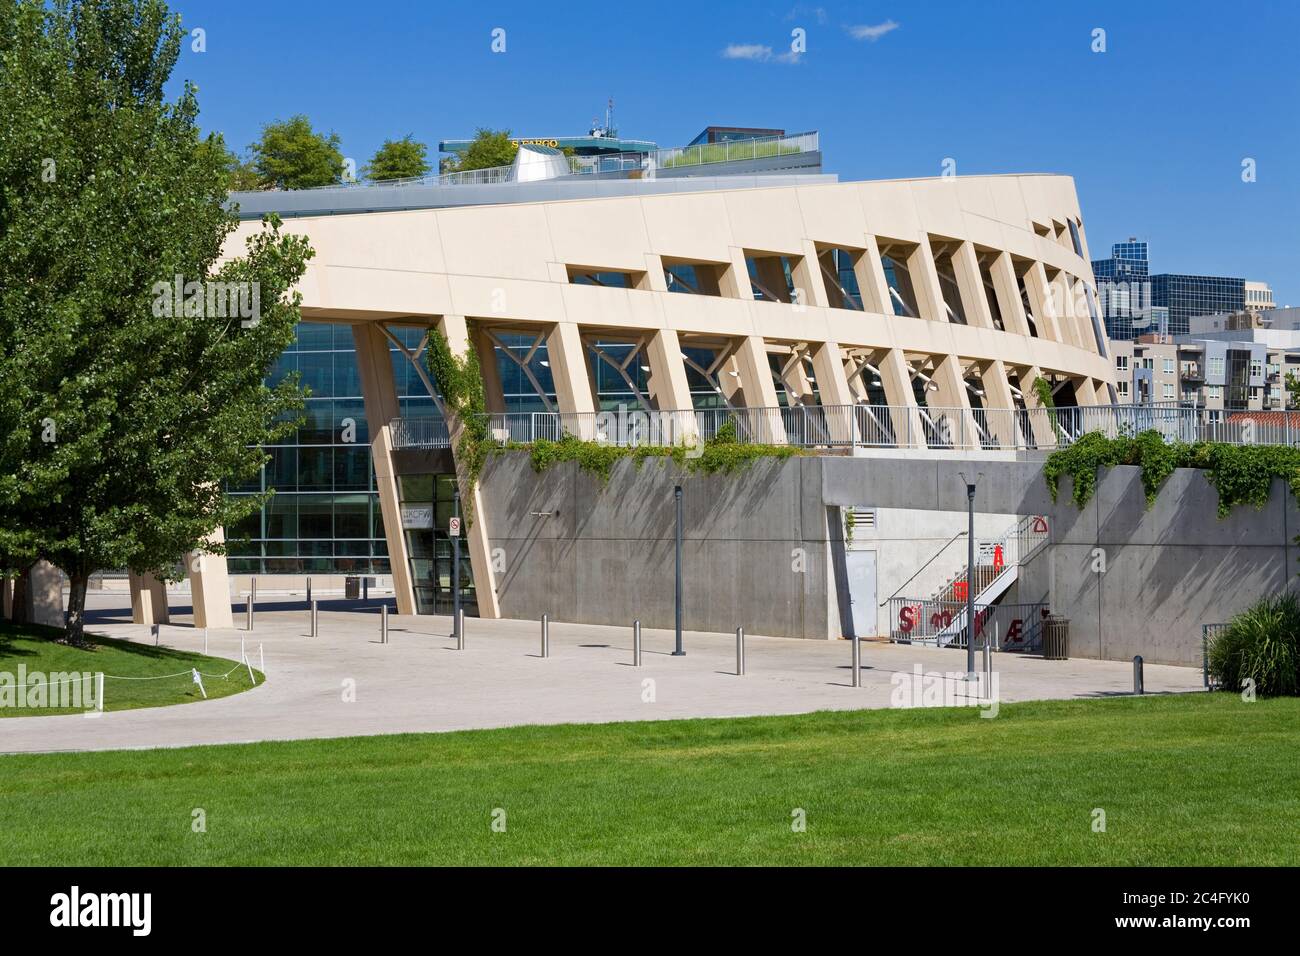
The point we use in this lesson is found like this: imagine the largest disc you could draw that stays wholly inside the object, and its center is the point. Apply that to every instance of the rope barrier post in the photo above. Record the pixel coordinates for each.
(99, 693)
(261, 659)
(250, 670)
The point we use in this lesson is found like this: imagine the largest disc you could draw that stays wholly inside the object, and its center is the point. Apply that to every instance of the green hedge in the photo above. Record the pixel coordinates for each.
(1242, 474)
(1260, 644)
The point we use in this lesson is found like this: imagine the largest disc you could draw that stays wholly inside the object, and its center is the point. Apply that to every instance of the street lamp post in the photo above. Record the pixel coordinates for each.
(970, 578)
(677, 497)
(455, 566)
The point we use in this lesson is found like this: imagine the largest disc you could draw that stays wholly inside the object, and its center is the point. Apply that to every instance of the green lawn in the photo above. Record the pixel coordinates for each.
(29, 646)
(1198, 779)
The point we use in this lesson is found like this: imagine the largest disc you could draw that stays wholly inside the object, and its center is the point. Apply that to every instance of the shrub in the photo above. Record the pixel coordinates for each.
(1260, 644)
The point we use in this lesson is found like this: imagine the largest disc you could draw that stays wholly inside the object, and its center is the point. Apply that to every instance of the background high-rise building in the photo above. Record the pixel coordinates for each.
(1135, 302)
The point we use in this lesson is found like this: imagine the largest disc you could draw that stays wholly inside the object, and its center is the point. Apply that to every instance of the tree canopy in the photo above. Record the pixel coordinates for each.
(398, 159)
(133, 355)
(489, 148)
(292, 155)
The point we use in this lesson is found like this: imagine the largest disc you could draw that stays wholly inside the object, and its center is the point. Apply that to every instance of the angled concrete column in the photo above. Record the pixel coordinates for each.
(485, 349)
(925, 283)
(655, 280)
(1040, 419)
(380, 393)
(1085, 393)
(565, 352)
(955, 402)
(759, 391)
(1040, 297)
(669, 389)
(999, 404)
(1063, 295)
(209, 586)
(735, 278)
(833, 390)
(1008, 292)
(974, 302)
(794, 378)
(896, 380)
(459, 340)
(148, 599)
(44, 584)
(808, 275)
(871, 280)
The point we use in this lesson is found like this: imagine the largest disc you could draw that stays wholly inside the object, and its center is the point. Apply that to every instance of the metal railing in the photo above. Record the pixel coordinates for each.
(1014, 627)
(847, 428)
(1208, 633)
(427, 432)
(733, 151)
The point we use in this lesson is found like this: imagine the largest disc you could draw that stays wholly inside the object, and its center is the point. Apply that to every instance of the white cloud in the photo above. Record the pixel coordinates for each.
(872, 32)
(747, 51)
(759, 53)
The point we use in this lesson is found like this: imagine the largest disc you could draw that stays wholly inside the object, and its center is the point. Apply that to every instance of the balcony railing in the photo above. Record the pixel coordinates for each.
(847, 428)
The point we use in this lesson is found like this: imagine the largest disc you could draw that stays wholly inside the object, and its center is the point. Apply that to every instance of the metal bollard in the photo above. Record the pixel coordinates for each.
(383, 624)
(546, 635)
(315, 619)
(636, 643)
(459, 625)
(252, 588)
(248, 613)
(857, 661)
(365, 588)
(988, 669)
(156, 631)
(1137, 674)
(309, 590)
(740, 652)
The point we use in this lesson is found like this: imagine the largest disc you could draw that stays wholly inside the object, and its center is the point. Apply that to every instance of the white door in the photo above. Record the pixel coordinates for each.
(861, 567)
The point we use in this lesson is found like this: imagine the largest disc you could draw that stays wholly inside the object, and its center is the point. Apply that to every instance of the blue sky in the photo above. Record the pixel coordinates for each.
(1154, 129)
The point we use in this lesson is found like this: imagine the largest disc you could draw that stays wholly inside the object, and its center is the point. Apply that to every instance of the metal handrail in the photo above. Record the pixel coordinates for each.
(848, 428)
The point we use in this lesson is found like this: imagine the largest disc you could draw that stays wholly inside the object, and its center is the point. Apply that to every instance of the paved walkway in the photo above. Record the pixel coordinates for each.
(420, 682)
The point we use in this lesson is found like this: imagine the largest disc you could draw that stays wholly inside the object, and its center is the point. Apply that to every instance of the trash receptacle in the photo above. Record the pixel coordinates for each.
(1056, 638)
(352, 588)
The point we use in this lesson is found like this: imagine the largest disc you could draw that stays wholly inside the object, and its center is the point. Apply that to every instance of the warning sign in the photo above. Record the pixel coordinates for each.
(453, 527)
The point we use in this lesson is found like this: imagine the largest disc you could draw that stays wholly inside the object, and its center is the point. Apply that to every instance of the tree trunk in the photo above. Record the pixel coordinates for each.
(74, 631)
(19, 615)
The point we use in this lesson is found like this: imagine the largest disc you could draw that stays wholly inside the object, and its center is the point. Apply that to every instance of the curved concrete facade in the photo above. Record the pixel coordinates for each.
(991, 272)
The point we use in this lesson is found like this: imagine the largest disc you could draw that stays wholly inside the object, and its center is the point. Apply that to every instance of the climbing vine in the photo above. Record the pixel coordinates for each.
(1241, 474)
(720, 454)
(1043, 389)
(460, 380)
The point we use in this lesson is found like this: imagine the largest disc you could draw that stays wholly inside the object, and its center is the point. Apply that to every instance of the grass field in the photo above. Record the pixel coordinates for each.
(124, 665)
(1198, 779)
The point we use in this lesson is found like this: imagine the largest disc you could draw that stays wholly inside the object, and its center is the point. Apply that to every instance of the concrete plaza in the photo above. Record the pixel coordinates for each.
(419, 682)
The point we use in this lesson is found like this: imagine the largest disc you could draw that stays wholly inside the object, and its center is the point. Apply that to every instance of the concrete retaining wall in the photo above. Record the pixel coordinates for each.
(755, 549)
(760, 551)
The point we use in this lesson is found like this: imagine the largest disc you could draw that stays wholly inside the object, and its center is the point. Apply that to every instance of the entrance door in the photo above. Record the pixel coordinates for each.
(861, 567)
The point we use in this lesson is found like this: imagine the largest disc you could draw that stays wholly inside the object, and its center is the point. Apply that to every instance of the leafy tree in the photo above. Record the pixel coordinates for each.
(123, 411)
(240, 174)
(398, 159)
(291, 155)
(489, 148)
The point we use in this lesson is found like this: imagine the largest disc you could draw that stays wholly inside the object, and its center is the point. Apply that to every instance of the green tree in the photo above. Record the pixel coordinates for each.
(489, 148)
(398, 159)
(125, 405)
(291, 155)
(240, 174)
